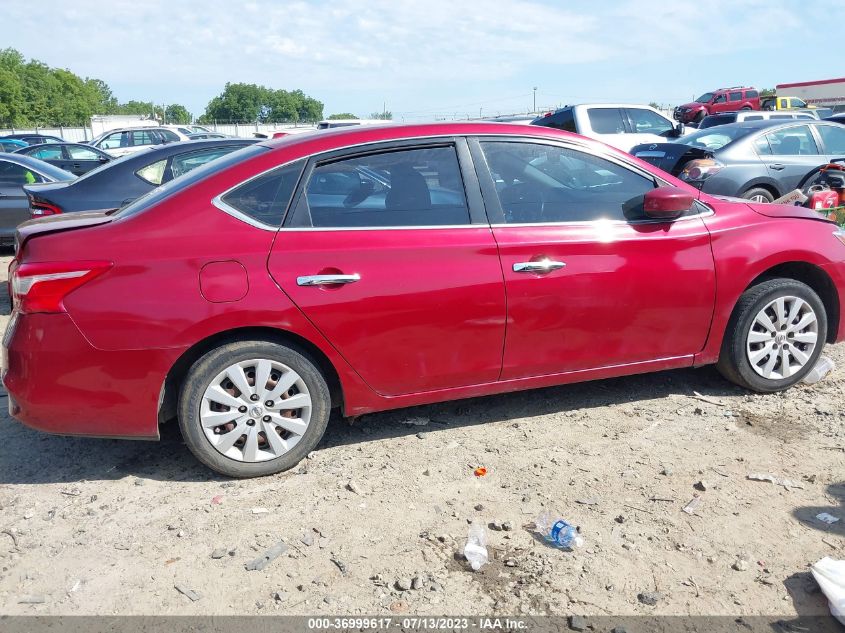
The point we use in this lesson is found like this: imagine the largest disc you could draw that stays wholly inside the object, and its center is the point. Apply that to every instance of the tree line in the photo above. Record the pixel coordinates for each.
(32, 93)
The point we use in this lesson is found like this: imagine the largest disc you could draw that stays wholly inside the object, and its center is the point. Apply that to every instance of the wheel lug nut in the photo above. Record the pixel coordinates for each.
(266, 418)
(242, 408)
(250, 422)
(254, 397)
(268, 404)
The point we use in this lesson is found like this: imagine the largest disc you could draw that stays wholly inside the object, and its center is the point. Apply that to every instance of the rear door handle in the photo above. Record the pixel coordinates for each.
(777, 166)
(542, 266)
(327, 280)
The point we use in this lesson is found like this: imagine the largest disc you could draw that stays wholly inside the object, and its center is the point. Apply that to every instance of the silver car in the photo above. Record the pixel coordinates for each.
(755, 160)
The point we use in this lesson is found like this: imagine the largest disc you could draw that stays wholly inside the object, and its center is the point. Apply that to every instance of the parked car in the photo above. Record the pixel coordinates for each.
(198, 136)
(837, 118)
(724, 118)
(15, 172)
(73, 157)
(123, 180)
(755, 160)
(618, 124)
(782, 103)
(33, 139)
(377, 268)
(12, 144)
(721, 100)
(125, 141)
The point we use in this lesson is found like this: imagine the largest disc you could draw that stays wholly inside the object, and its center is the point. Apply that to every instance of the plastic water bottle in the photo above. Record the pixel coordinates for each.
(558, 532)
(476, 548)
(821, 369)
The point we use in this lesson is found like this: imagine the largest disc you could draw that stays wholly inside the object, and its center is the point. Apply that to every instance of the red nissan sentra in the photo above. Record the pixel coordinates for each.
(376, 268)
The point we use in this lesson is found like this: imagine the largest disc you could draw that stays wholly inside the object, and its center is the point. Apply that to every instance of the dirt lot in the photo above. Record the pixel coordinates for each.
(112, 527)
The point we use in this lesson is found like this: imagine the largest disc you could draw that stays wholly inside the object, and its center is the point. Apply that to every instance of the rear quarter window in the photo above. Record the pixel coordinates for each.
(265, 198)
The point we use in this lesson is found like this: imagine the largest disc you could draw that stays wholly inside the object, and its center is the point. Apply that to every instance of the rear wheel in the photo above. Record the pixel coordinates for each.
(758, 194)
(253, 408)
(774, 337)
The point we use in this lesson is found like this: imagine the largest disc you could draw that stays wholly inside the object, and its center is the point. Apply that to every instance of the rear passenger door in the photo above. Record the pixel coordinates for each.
(789, 154)
(387, 250)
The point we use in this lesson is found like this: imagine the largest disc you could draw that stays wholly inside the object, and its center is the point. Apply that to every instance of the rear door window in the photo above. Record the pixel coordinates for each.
(736, 96)
(408, 187)
(606, 120)
(143, 137)
(793, 141)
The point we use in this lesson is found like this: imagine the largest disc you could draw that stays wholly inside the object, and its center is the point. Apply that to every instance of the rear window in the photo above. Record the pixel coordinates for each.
(561, 120)
(183, 182)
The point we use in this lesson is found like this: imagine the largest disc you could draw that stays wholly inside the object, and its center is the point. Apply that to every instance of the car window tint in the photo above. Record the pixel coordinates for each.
(543, 183)
(833, 138)
(563, 120)
(266, 198)
(413, 187)
(751, 94)
(47, 152)
(184, 163)
(112, 141)
(17, 175)
(153, 173)
(606, 120)
(169, 135)
(736, 96)
(648, 122)
(793, 141)
(82, 153)
(143, 137)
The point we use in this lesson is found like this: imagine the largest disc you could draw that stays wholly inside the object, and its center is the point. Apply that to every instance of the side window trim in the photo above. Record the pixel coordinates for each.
(469, 177)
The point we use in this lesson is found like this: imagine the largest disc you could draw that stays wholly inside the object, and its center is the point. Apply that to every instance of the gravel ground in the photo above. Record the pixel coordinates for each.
(374, 521)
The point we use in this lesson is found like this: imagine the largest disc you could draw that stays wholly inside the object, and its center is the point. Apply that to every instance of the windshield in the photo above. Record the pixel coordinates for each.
(186, 180)
(716, 137)
(707, 97)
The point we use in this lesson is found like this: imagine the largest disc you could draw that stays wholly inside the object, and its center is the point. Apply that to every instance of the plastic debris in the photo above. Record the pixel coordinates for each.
(190, 594)
(558, 532)
(820, 370)
(216, 500)
(830, 574)
(260, 511)
(824, 517)
(692, 506)
(786, 483)
(475, 549)
(480, 471)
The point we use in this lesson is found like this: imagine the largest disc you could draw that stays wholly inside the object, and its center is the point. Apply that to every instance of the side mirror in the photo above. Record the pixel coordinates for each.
(667, 203)
(103, 159)
(680, 129)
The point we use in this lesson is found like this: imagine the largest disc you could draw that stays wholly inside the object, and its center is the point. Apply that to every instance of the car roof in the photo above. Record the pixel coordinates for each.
(169, 149)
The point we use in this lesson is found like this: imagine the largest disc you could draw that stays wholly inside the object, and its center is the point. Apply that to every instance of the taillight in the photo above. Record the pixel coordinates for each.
(42, 286)
(41, 209)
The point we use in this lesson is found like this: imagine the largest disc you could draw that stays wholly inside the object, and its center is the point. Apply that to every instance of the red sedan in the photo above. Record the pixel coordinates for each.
(376, 268)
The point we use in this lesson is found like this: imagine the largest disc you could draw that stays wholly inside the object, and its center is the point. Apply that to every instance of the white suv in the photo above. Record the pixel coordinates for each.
(128, 140)
(621, 125)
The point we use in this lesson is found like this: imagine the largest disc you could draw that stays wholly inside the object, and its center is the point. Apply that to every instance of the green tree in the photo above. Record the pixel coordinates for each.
(386, 116)
(177, 113)
(342, 115)
(246, 103)
(768, 92)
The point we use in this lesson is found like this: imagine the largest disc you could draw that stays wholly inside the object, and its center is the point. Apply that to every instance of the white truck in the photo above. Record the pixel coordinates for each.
(621, 125)
(827, 92)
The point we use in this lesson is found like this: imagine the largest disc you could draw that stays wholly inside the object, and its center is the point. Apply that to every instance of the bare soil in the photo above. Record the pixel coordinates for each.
(93, 526)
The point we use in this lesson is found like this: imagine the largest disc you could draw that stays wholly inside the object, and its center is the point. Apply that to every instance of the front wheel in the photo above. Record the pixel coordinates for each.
(253, 408)
(774, 337)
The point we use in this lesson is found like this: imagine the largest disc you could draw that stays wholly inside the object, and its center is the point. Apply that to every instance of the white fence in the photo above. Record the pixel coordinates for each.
(79, 134)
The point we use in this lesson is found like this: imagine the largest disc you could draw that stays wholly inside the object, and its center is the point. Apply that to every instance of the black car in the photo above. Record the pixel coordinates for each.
(837, 118)
(73, 157)
(35, 139)
(15, 172)
(119, 182)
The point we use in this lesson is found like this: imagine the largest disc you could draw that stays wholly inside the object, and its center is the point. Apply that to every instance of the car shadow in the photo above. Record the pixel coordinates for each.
(29, 456)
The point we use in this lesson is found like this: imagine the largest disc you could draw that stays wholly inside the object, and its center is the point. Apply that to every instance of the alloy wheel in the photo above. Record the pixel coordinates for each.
(782, 338)
(255, 410)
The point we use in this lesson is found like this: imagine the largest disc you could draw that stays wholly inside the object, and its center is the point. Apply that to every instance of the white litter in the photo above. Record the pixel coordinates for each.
(786, 483)
(824, 517)
(830, 574)
(260, 511)
(418, 421)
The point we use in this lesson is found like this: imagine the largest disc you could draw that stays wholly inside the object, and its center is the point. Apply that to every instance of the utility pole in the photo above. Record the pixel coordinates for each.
(534, 111)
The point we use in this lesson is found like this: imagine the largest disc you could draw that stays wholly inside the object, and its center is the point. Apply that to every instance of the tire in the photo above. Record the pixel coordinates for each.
(738, 347)
(745, 108)
(761, 195)
(241, 445)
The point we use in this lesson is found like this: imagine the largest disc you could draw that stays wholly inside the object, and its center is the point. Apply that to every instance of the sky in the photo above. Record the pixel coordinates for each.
(429, 59)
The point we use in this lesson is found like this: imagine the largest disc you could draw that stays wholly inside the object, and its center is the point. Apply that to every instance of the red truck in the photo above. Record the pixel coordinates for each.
(721, 100)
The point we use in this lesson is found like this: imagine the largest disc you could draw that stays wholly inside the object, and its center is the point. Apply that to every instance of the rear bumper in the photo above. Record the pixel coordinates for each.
(59, 383)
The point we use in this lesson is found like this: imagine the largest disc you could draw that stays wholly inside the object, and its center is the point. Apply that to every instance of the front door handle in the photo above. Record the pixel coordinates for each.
(327, 280)
(777, 166)
(542, 266)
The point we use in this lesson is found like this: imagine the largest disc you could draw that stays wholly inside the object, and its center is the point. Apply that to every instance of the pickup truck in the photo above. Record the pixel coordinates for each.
(783, 103)
(621, 125)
